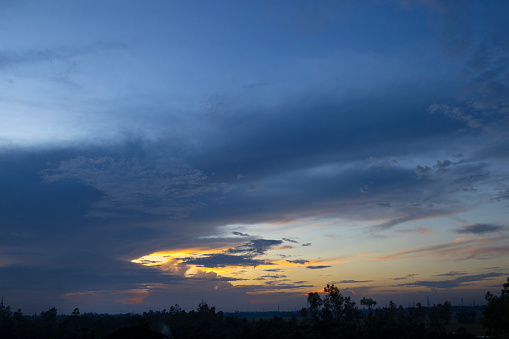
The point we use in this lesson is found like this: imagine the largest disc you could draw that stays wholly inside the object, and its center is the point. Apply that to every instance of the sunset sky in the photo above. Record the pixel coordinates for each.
(246, 153)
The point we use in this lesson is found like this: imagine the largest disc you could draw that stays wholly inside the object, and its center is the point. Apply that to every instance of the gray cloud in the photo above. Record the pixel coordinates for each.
(223, 260)
(480, 228)
(240, 234)
(450, 274)
(405, 277)
(452, 283)
(318, 267)
(273, 276)
(244, 255)
(298, 261)
(128, 184)
(255, 247)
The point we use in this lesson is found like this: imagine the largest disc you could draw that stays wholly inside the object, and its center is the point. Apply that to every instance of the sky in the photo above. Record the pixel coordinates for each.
(246, 153)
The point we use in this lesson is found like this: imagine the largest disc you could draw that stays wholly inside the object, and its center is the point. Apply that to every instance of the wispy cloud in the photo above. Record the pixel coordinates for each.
(419, 230)
(450, 274)
(481, 228)
(461, 248)
(456, 282)
(405, 277)
(318, 267)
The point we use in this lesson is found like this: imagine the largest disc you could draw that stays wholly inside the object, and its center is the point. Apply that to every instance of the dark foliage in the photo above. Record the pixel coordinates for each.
(496, 315)
(331, 316)
(466, 317)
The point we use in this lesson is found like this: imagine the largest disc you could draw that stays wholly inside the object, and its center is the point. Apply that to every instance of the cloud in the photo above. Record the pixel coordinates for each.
(255, 247)
(273, 276)
(306, 244)
(419, 230)
(271, 286)
(224, 260)
(240, 234)
(318, 267)
(422, 171)
(480, 229)
(461, 248)
(411, 213)
(290, 240)
(298, 261)
(353, 281)
(129, 184)
(452, 283)
(274, 270)
(450, 274)
(441, 167)
(405, 277)
(456, 113)
(244, 255)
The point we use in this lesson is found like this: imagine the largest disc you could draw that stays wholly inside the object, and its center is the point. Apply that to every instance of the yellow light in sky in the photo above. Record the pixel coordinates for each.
(175, 262)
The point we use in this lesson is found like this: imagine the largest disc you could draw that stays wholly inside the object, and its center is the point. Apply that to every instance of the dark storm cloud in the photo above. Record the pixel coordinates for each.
(317, 131)
(318, 267)
(481, 229)
(133, 185)
(460, 281)
(32, 210)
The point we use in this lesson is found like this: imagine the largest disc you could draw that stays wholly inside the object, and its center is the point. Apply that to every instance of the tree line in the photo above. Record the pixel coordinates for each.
(330, 316)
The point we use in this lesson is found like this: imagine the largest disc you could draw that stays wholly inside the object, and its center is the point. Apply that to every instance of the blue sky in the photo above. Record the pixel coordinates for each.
(248, 153)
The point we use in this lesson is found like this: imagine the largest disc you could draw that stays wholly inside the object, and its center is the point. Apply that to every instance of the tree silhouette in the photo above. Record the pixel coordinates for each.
(368, 302)
(75, 312)
(496, 314)
(314, 304)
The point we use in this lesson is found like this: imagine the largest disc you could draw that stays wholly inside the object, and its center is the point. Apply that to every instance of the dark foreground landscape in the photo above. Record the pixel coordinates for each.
(331, 316)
